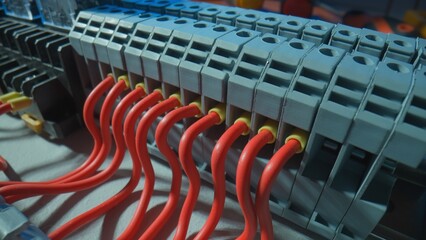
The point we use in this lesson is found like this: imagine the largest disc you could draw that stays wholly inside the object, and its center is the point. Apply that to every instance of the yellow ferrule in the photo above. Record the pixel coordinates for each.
(220, 109)
(271, 126)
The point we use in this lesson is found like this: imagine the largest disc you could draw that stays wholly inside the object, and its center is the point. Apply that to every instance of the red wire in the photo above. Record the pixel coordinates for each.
(41, 188)
(89, 119)
(269, 174)
(5, 108)
(3, 164)
(245, 165)
(161, 134)
(218, 169)
(107, 205)
(188, 165)
(141, 139)
(129, 124)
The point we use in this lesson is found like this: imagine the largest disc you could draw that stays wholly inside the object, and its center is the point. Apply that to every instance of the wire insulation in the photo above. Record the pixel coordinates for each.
(5, 108)
(188, 165)
(41, 189)
(244, 168)
(107, 205)
(218, 172)
(267, 178)
(88, 116)
(161, 135)
(142, 151)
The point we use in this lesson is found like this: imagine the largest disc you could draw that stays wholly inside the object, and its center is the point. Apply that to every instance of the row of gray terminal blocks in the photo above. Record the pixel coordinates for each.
(359, 93)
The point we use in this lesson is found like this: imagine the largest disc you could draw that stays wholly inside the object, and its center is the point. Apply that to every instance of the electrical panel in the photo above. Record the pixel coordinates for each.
(360, 94)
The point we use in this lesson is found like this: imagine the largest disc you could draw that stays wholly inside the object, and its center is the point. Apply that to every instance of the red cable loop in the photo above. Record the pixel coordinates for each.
(245, 165)
(161, 134)
(41, 188)
(142, 150)
(268, 177)
(218, 169)
(89, 119)
(188, 165)
(107, 205)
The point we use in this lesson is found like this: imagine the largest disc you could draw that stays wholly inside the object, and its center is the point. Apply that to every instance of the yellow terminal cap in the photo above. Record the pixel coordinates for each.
(20, 103)
(271, 126)
(8, 96)
(32, 123)
(141, 85)
(299, 135)
(125, 79)
(158, 90)
(247, 120)
(198, 104)
(177, 96)
(220, 109)
(111, 75)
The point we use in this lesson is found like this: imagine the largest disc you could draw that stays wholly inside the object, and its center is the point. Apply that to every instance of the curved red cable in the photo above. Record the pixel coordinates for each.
(245, 165)
(218, 169)
(89, 107)
(188, 165)
(3, 164)
(57, 188)
(263, 192)
(142, 150)
(161, 134)
(5, 108)
(107, 205)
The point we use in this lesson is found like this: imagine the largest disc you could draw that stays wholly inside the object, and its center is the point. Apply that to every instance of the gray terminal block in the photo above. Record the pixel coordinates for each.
(78, 30)
(324, 146)
(107, 30)
(372, 43)
(175, 50)
(279, 73)
(376, 180)
(343, 166)
(185, 9)
(229, 16)
(154, 6)
(209, 13)
(129, 3)
(249, 68)
(365, 213)
(408, 142)
(400, 48)
(344, 37)
(121, 38)
(344, 95)
(421, 49)
(268, 23)
(163, 29)
(159, 6)
(373, 195)
(317, 31)
(137, 44)
(247, 19)
(174, 9)
(95, 25)
(372, 198)
(382, 106)
(292, 26)
(195, 57)
(221, 63)
(191, 9)
(306, 92)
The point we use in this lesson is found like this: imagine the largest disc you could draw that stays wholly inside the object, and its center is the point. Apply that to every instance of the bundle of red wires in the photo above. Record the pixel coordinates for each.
(125, 136)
